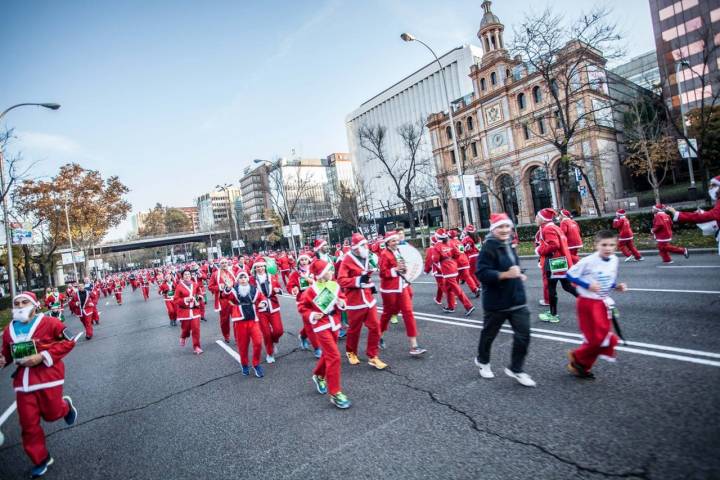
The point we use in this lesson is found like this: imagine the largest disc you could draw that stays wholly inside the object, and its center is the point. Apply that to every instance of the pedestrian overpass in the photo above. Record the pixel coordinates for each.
(159, 241)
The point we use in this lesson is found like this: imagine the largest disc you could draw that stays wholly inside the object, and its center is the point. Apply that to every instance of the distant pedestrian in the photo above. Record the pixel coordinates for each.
(662, 231)
(626, 237)
(572, 232)
(503, 297)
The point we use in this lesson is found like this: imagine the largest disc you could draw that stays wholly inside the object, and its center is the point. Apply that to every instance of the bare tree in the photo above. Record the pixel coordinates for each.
(347, 205)
(287, 190)
(403, 171)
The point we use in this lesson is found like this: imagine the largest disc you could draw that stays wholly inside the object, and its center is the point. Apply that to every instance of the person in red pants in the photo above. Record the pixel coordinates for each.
(199, 278)
(662, 231)
(396, 292)
(545, 301)
(285, 267)
(145, 287)
(188, 311)
(447, 255)
(625, 237)
(433, 267)
(354, 276)
(270, 320)
(167, 290)
(87, 301)
(219, 279)
(245, 301)
(470, 241)
(36, 344)
(299, 281)
(706, 221)
(571, 229)
(321, 305)
(463, 265)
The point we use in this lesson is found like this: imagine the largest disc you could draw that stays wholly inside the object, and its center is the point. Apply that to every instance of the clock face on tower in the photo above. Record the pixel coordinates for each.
(493, 114)
(497, 140)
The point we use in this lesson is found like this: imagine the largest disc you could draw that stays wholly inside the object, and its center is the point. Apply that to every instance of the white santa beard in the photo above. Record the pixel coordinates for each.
(243, 290)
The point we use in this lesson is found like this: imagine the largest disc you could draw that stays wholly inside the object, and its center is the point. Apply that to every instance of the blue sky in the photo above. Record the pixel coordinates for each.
(178, 96)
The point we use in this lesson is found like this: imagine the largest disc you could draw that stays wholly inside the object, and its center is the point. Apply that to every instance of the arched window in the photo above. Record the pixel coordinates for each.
(470, 125)
(526, 131)
(458, 128)
(537, 94)
(541, 126)
(493, 78)
(540, 189)
(521, 101)
(482, 84)
(483, 202)
(509, 197)
(448, 132)
(507, 74)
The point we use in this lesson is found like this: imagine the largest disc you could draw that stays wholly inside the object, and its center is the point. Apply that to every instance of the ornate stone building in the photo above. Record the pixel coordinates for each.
(500, 129)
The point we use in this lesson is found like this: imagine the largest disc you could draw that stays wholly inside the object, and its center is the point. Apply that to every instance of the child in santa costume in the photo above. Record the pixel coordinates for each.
(463, 264)
(626, 243)
(662, 231)
(571, 229)
(471, 242)
(145, 287)
(321, 305)
(119, 285)
(432, 266)
(199, 278)
(187, 308)
(447, 254)
(270, 320)
(300, 280)
(245, 301)
(73, 303)
(595, 277)
(37, 343)
(354, 276)
(554, 249)
(396, 292)
(219, 279)
(167, 290)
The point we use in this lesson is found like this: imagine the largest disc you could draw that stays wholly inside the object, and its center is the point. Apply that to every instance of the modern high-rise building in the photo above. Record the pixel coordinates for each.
(411, 99)
(687, 40)
(255, 195)
(642, 70)
(214, 209)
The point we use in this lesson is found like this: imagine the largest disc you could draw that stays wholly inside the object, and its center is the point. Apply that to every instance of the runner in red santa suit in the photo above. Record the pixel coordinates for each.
(662, 231)
(396, 292)
(73, 303)
(87, 302)
(446, 254)
(571, 229)
(245, 301)
(167, 290)
(270, 320)
(321, 305)
(432, 266)
(702, 217)
(463, 264)
(545, 301)
(554, 248)
(283, 264)
(145, 286)
(219, 279)
(118, 290)
(199, 279)
(188, 312)
(354, 277)
(625, 237)
(36, 344)
(470, 241)
(299, 281)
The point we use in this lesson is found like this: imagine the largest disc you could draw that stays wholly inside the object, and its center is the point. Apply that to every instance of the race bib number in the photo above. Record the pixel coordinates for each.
(23, 349)
(325, 300)
(558, 266)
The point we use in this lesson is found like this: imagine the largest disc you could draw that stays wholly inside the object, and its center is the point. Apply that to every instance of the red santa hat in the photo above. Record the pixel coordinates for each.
(28, 296)
(441, 234)
(243, 273)
(470, 228)
(715, 180)
(433, 239)
(547, 214)
(659, 207)
(452, 233)
(358, 240)
(499, 219)
(305, 256)
(320, 267)
(566, 213)
(620, 213)
(319, 243)
(259, 263)
(391, 235)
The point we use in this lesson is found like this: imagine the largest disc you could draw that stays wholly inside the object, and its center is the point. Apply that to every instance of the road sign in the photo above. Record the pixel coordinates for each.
(685, 150)
(22, 234)
(67, 258)
(583, 191)
(238, 244)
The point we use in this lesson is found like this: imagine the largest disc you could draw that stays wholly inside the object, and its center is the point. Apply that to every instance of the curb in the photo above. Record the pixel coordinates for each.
(648, 253)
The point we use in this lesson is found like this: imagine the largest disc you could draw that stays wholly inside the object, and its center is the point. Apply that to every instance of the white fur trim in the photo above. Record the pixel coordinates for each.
(505, 221)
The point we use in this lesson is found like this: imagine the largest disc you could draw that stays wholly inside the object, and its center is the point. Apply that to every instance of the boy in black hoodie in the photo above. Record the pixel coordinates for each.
(503, 297)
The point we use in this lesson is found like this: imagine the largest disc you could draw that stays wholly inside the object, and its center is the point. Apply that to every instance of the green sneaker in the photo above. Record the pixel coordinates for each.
(340, 400)
(545, 316)
(554, 319)
(320, 384)
(394, 319)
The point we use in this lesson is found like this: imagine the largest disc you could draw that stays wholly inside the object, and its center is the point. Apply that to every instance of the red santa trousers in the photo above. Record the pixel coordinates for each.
(328, 366)
(170, 306)
(452, 290)
(394, 303)
(665, 249)
(245, 332)
(118, 297)
(46, 404)
(440, 289)
(225, 320)
(105, 292)
(146, 292)
(358, 318)
(271, 327)
(307, 332)
(191, 327)
(285, 274)
(87, 321)
(470, 280)
(627, 247)
(594, 323)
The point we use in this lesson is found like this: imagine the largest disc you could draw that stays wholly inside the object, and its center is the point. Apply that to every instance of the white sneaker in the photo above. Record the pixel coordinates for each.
(543, 303)
(485, 370)
(629, 259)
(522, 378)
(269, 359)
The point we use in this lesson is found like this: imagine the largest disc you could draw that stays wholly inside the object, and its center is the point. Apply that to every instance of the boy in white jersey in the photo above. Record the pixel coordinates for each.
(595, 276)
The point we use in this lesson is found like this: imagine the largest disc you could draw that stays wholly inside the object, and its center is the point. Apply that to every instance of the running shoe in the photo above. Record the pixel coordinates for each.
(394, 319)
(543, 303)
(183, 341)
(522, 378)
(352, 358)
(40, 470)
(72, 414)
(630, 259)
(304, 343)
(198, 350)
(320, 384)
(342, 334)
(269, 359)
(485, 370)
(448, 310)
(416, 351)
(382, 343)
(258, 371)
(377, 363)
(340, 400)
(472, 309)
(317, 352)
(245, 370)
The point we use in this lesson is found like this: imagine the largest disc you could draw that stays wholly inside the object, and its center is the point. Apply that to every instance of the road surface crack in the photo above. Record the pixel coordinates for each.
(642, 473)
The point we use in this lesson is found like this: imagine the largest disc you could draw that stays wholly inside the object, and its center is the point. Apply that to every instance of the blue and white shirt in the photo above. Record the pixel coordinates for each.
(594, 268)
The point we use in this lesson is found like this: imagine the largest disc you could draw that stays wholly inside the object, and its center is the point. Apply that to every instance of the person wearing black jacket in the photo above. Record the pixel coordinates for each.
(503, 297)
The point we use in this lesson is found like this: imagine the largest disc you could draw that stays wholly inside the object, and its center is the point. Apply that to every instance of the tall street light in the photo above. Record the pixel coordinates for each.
(692, 188)
(8, 238)
(284, 195)
(407, 37)
(226, 188)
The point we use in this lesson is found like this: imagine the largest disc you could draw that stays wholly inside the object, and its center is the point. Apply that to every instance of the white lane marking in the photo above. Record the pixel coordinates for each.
(689, 266)
(663, 290)
(229, 350)
(6, 414)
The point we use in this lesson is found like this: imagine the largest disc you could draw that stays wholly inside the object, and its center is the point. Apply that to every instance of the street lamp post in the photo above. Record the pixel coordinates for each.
(8, 237)
(692, 189)
(225, 188)
(407, 37)
(72, 250)
(284, 195)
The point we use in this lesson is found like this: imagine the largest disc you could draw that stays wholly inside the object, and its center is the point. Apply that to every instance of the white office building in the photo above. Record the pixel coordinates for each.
(411, 99)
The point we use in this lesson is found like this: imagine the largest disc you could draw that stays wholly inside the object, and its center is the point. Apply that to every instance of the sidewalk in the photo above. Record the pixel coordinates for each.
(645, 253)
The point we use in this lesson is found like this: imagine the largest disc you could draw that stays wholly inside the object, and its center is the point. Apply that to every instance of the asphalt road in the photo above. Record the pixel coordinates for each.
(150, 409)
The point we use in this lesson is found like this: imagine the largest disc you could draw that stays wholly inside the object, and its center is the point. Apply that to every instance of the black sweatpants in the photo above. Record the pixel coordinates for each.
(520, 322)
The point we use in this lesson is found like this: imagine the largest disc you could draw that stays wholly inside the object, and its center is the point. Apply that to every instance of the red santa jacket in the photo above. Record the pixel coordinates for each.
(317, 318)
(432, 263)
(217, 280)
(239, 312)
(699, 217)
(185, 300)
(283, 262)
(165, 289)
(52, 342)
(294, 280)
(447, 255)
(571, 229)
(462, 260)
(471, 249)
(662, 227)
(622, 225)
(390, 280)
(270, 288)
(358, 295)
(553, 244)
(87, 302)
